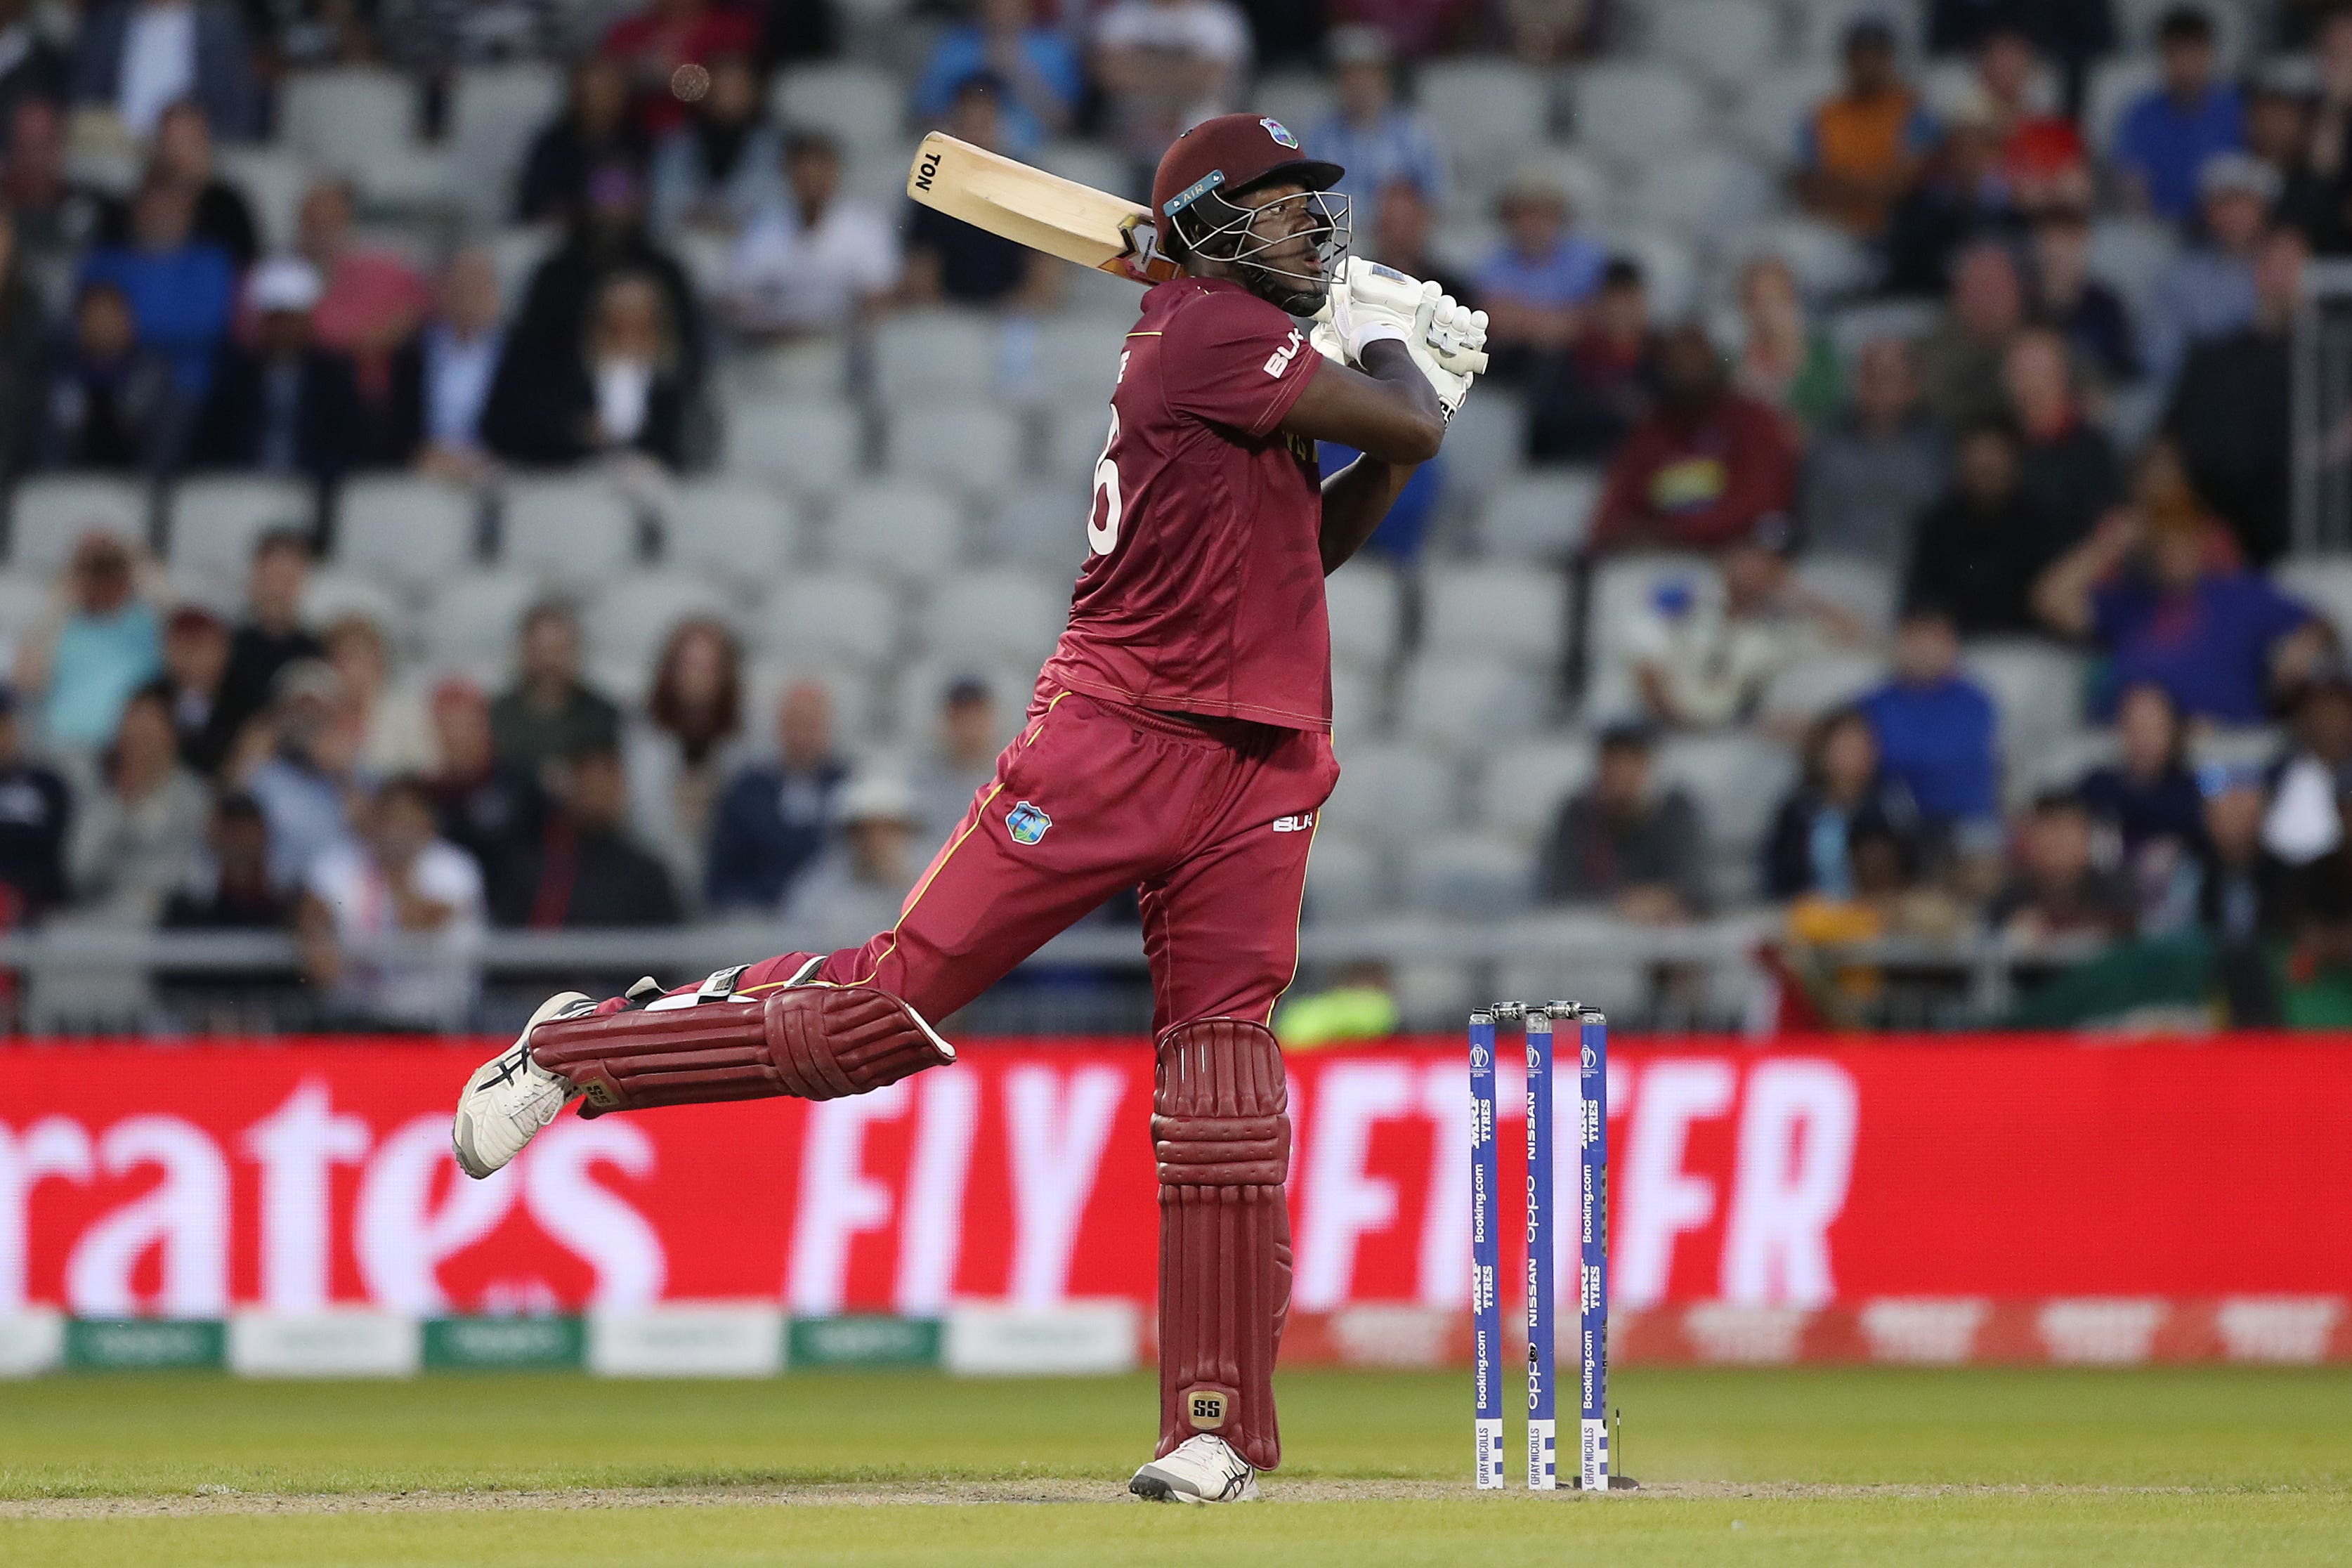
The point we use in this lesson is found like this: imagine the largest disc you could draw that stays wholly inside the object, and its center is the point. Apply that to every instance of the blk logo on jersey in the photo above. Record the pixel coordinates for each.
(1026, 823)
(1303, 823)
(1279, 360)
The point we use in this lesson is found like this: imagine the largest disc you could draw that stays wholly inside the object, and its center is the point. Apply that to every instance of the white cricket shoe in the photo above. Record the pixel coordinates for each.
(510, 1097)
(1203, 1469)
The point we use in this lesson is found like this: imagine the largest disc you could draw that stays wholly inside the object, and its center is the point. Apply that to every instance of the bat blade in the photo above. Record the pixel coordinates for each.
(1040, 210)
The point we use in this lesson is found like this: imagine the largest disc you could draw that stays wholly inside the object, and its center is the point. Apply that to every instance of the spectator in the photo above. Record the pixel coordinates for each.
(2157, 588)
(195, 661)
(231, 888)
(586, 871)
(1699, 660)
(2305, 820)
(2163, 140)
(371, 303)
(1704, 470)
(2278, 134)
(2238, 883)
(1875, 468)
(1622, 842)
(398, 878)
(392, 733)
(653, 42)
(1960, 362)
(862, 878)
(2058, 889)
(1844, 795)
(606, 239)
(435, 36)
(441, 379)
(774, 816)
(112, 406)
(2042, 154)
(1377, 141)
(103, 642)
(1783, 360)
(2148, 800)
(1535, 287)
(23, 346)
(1934, 728)
(494, 811)
(32, 68)
(2311, 976)
(36, 814)
(622, 390)
(1164, 64)
(1965, 200)
(180, 291)
(718, 168)
(2066, 465)
(1401, 216)
(594, 133)
(949, 259)
(549, 714)
(687, 747)
(138, 58)
(1582, 405)
(183, 153)
(1359, 1005)
(2066, 298)
(1977, 552)
(961, 760)
(138, 835)
(298, 762)
(1040, 75)
(2232, 412)
(1557, 32)
(271, 636)
(2209, 290)
(1860, 151)
(1885, 898)
(56, 218)
(2330, 133)
(798, 30)
(289, 404)
(2073, 32)
(816, 261)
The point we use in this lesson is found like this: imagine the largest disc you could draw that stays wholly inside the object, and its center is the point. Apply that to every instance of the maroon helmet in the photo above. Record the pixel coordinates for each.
(1221, 158)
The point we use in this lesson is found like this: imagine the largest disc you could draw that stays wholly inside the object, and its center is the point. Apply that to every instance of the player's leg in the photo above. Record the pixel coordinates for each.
(1222, 930)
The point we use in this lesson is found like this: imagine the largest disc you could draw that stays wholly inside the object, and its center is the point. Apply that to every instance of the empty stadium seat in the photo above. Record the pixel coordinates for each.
(494, 113)
(1701, 191)
(629, 619)
(1465, 702)
(1041, 524)
(1775, 105)
(937, 353)
(1523, 784)
(2037, 689)
(1725, 42)
(1367, 612)
(570, 532)
(1091, 164)
(410, 529)
(1869, 589)
(1075, 361)
(1737, 778)
(861, 700)
(1514, 613)
(51, 513)
(812, 447)
(1346, 876)
(1360, 702)
(1076, 433)
(25, 601)
(1300, 100)
(2063, 765)
(917, 689)
(1544, 516)
(350, 118)
(998, 614)
(1485, 445)
(1670, 266)
(828, 617)
(1826, 261)
(1635, 113)
(474, 618)
(1811, 686)
(1393, 793)
(1623, 589)
(213, 522)
(2131, 255)
(1468, 874)
(739, 534)
(1482, 110)
(330, 596)
(810, 369)
(861, 104)
(2323, 581)
(2115, 83)
(272, 180)
(902, 528)
(970, 445)
(1852, 326)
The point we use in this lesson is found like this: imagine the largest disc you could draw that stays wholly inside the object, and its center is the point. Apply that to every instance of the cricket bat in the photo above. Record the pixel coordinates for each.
(1042, 211)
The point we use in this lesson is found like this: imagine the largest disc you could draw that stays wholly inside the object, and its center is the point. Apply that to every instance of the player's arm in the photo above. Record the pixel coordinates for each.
(1388, 410)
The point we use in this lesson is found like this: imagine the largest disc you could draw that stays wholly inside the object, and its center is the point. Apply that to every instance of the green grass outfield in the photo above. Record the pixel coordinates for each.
(2145, 1466)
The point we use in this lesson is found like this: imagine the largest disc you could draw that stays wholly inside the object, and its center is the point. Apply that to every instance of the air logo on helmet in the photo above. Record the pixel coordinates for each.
(1026, 823)
(1280, 133)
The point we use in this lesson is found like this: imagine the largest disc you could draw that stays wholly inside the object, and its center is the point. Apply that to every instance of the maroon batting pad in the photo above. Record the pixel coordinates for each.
(817, 1042)
(1220, 1129)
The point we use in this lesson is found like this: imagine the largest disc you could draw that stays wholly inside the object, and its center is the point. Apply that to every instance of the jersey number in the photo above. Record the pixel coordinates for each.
(1103, 512)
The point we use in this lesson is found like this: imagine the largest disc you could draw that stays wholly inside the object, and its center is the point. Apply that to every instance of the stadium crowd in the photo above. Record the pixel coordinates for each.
(520, 462)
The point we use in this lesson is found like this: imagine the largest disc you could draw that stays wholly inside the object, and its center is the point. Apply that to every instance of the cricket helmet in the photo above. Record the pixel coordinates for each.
(1193, 202)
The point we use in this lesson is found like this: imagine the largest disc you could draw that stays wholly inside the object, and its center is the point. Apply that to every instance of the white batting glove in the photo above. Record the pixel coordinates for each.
(1363, 309)
(1446, 342)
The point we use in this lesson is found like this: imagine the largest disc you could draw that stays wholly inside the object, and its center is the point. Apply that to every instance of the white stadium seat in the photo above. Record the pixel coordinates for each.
(918, 688)
(1075, 360)
(630, 618)
(1468, 874)
(812, 448)
(330, 595)
(1635, 113)
(902, 528)
(352, 120)
(1869, 589)
(739, 534)
(1811, 686)
(1039, 524)
(1514, 613)
(2132, 255)
(576, 532)
(2037, 689)
(1726, 42)
(998, 614)
(1075, 435)
(1347, 877)
(972, 447)
(1300, 100)
(936, 353)
(1737, 779)
(861, 700)
(52, 512)
(1360, 702)
(1544, 516)
(413, 529)
(25, 602)
(1826, 261)
(494, 113)
(1775, 107)
(1393, 793)
(1523, 784)
(1465, 702)
(828, 617)
(1367, 611)
(2116, 82)
(1485, 445)
(2323, 581)
(1701, 192)
(1669, 263)
(213, 522)
(862, 104)
(1481, 109)
(474, 618)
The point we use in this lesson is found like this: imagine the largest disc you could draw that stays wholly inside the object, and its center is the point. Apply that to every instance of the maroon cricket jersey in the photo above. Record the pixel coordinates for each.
(1203, 592)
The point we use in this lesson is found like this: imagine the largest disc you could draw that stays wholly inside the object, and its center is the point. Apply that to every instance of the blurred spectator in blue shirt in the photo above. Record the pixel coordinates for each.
(105, 643)
(1934, 726)
(180, 291)
(297, 762)
(2209, 292)
(1040, 69)
(441, 380)
(1536, 285)
(2161, 588)
(716, 170)
(2162, 141)
(138, 58)
(774, 818)
(2150, 799)
(1367, 133)
(111, 406)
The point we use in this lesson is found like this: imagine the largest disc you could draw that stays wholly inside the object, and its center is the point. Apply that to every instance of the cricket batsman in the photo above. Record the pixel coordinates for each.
(1179, 740)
